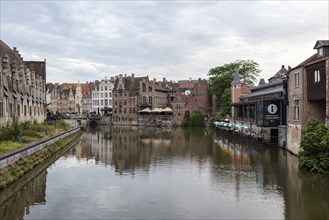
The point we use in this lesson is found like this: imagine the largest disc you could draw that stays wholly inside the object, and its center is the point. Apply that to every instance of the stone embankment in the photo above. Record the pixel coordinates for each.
(14, 164)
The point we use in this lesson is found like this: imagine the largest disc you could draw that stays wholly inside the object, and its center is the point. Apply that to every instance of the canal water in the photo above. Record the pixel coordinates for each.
(167, 173)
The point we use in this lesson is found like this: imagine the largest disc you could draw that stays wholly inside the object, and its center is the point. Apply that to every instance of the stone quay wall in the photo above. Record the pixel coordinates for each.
(12, 157)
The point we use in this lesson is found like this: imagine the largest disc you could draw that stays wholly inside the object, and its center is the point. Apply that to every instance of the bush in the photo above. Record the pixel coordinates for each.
(315, 148)
(63, 125)
(186, 120)
(197, 119)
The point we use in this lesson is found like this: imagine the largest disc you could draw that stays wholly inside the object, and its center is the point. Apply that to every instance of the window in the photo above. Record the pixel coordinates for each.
(105, 88)
(296, 79)
(105, 101)
(150, 89)
(150, 100)
(105, 95)
(110, 94)
(144, 100)
(101, 88)
(102, 102)
(317, 76)
(144, 88)
(296, 109)
(101, 95)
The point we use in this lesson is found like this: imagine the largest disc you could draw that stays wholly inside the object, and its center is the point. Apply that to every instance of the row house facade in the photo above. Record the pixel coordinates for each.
(125, 99)
(86, 101)
(308, 94)
(155, 94)
(102, 95)
(133, 94)
(22, 87)
(70, 97)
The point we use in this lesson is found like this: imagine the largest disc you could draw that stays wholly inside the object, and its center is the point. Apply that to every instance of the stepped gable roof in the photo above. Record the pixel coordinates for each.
(236, 79)
(127, 80)
(65, 88)
(12, 53)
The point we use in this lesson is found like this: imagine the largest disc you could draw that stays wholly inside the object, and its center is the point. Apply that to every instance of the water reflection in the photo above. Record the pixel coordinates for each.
(169, 173)
(15, 204)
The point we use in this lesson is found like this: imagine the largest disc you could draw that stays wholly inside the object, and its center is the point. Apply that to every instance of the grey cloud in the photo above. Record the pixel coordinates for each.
(168, 39)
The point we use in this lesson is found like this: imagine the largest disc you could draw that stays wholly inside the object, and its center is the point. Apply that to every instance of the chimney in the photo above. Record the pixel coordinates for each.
(154, 79)
(164, 79)
(132, 75)
(15, 49)
(282, 66)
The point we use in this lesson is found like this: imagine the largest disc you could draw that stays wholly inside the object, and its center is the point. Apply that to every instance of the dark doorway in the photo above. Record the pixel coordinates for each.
(274, 136)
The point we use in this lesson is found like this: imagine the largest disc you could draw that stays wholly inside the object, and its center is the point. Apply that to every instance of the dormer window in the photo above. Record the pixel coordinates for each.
(320, 51)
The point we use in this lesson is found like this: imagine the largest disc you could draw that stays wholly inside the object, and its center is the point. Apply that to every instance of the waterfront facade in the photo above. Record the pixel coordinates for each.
(125, 100)
(22, 87)
(69, 97)
(192, 96)
(262, 107)
(308, 92)
(102, 96)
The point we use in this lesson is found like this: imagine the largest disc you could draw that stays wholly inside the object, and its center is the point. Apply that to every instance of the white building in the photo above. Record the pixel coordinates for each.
(102, 95)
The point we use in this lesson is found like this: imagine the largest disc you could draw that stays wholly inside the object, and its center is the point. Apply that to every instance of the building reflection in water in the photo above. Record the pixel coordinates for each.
(305, 195)
(127, 148)
(15, 201)
(231, 165)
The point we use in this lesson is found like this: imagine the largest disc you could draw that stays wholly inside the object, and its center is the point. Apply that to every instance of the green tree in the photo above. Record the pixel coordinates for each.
(186, 120)
(197, 119)
(315, 148)
(222, 77)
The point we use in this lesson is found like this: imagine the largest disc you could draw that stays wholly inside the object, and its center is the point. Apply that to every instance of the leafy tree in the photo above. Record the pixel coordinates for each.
(222, 77)
(315, 148)
(197, 119)
(187, 119)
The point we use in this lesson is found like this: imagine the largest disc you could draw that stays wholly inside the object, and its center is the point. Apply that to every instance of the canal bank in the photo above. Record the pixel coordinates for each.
(15, 164)
(29, 187)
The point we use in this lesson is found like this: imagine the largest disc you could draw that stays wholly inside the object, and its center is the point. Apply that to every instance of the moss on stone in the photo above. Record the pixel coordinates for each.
(16, 170)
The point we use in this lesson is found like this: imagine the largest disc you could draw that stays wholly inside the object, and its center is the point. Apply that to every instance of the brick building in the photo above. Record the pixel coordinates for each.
(197, 98)
(125, 99)
(308, 94)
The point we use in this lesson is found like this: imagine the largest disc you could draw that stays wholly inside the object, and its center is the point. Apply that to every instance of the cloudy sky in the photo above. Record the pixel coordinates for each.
(89, 40)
